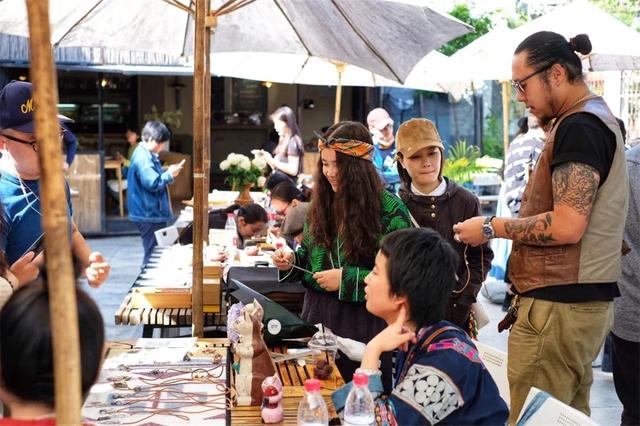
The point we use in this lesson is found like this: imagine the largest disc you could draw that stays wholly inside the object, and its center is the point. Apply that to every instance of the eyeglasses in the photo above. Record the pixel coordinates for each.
(517, 84)
(33, 144)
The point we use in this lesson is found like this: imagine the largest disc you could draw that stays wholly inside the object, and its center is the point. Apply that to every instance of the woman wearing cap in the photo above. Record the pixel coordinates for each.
(350, 213)
(286, 162)
(437, 202)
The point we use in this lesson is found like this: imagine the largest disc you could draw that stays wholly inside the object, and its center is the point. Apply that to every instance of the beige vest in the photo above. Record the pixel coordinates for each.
(596, 257)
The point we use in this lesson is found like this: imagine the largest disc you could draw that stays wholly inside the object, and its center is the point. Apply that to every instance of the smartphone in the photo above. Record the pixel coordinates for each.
(37, 247)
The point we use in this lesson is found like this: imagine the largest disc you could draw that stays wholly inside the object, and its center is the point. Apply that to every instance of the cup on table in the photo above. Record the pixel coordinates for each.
(324, 346)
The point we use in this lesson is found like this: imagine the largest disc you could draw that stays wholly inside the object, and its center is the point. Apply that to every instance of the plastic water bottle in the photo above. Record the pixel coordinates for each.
(232, 231)
(312, 410)
(359, 407)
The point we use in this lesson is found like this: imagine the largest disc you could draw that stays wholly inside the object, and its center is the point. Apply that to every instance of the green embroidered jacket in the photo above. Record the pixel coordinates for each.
(315, 258)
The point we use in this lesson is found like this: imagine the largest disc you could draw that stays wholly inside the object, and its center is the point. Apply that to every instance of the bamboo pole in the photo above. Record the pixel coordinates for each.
(198, 167)
(506, 94)
(340, 68)
(55, 224)
(207, 125)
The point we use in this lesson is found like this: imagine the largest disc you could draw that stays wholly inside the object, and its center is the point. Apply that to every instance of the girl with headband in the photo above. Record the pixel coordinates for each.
(350, 213)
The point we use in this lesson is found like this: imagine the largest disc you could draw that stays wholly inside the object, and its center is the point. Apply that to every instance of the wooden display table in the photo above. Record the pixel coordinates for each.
(293, 377)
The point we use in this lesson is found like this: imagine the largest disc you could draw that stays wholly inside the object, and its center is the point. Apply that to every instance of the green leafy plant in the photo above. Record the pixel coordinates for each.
(172, 118)
(492, 137)
(482, 25)
(460, 165)
(242, 171)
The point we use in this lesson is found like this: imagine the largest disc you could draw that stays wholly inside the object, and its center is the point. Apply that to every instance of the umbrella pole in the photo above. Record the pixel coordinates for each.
(207, 124)
(55, 224)
(340, 68)
(198, 168)
(506, 94)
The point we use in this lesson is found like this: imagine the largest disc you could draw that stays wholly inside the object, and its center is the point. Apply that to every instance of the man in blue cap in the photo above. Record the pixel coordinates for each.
(20, 187)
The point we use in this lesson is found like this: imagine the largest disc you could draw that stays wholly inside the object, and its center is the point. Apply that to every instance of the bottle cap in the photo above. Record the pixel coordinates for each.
(361, 379)
(312, 385)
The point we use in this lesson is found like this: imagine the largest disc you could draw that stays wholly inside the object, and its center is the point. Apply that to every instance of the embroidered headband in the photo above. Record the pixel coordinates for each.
(352, 147)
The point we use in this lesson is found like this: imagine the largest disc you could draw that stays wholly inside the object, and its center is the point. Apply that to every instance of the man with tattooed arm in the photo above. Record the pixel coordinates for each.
(567, 240)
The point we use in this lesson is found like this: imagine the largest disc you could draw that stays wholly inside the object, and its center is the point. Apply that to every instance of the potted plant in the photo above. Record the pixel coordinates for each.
(243, 174)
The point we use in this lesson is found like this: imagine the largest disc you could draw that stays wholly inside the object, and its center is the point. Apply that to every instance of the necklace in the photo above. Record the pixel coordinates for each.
(588, 96)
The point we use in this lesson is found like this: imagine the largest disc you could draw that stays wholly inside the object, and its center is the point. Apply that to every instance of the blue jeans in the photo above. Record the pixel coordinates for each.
(148, 237)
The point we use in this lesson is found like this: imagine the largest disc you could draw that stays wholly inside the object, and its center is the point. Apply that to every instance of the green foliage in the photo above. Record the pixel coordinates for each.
(482, 25)
(627, 11)
(492, 137)
(173, 119)
(460, 165)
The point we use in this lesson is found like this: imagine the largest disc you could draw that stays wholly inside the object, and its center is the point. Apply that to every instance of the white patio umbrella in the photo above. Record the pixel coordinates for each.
(616, 46)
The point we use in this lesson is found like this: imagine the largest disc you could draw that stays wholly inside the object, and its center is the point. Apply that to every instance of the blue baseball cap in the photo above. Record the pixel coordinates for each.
(16, 107)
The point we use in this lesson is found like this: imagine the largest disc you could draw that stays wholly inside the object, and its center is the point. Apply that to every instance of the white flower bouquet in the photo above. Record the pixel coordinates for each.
(242, 171)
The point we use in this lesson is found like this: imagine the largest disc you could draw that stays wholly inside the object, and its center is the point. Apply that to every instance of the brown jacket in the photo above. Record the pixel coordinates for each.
(441, 213)
(596, 257)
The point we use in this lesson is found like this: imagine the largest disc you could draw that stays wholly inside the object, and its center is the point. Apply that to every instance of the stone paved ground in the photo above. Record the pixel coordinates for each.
(125, 255)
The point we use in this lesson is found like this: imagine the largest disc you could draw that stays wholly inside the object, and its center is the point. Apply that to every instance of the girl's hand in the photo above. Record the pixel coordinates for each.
(329, 280)
(282, 260)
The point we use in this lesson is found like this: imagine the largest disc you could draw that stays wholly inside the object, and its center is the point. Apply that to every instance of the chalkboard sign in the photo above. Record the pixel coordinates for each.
(249, 96)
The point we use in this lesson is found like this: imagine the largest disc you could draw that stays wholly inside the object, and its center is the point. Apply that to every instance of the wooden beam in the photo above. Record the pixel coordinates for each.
(55, 223)
(207, 125)
(198, 165)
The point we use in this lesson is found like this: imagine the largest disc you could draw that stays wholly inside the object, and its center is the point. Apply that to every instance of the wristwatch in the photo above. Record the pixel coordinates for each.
(487, 228)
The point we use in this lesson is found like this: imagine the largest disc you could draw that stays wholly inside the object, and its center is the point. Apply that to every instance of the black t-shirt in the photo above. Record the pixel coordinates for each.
(582, 138)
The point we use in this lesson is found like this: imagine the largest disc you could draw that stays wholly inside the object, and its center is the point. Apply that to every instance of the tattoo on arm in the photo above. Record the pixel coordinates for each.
(575, 186)
(531, 230)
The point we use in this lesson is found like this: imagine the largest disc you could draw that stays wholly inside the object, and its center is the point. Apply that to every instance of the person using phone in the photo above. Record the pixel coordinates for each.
(147, 182)
(20, 191)
(286, 162)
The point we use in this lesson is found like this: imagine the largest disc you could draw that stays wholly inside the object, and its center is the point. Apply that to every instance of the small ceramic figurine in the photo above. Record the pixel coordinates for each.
(255, 362)
(272, 400)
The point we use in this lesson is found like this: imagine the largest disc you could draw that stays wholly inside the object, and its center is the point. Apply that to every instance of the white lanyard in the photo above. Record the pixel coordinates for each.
(26, 196)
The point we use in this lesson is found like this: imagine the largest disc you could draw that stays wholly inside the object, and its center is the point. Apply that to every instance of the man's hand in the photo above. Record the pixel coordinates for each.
(329, 280)
(98, 269)
(396, 335)
(470, 231)
(27, 268)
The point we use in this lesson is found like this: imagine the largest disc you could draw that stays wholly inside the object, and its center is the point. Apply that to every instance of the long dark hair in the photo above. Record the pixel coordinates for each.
(353, 212)
(286, 115)
(546, 48)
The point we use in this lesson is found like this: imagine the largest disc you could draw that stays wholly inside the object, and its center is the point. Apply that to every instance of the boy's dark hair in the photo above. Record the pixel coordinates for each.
(26, 351)
(421, 266)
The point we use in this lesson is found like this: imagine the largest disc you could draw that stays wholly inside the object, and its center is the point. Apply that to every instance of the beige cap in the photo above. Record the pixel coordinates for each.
(415, 134)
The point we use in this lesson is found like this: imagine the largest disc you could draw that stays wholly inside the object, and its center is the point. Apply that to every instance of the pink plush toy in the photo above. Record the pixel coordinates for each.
(272, 400)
